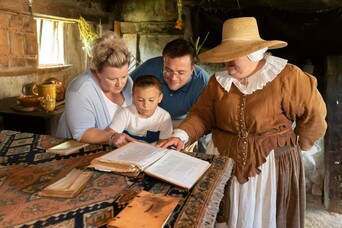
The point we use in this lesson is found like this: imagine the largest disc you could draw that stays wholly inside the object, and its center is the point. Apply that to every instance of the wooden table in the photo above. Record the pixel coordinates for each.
(26, 169)
(37, 121)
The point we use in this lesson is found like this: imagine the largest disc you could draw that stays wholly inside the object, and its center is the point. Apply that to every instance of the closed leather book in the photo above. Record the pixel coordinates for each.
(145, 210)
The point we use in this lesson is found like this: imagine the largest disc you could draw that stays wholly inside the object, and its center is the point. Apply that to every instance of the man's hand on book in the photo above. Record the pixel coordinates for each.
(172, 142)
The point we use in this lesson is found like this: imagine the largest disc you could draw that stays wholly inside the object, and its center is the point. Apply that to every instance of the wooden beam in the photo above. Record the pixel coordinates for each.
(149, 28)
(91, 11)
(117, 28)
(43, 71)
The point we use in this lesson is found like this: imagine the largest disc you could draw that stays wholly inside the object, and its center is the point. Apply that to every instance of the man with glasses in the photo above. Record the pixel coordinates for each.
(181, 79)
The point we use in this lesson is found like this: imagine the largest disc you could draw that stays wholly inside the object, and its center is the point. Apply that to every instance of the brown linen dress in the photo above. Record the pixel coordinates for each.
(247, 127)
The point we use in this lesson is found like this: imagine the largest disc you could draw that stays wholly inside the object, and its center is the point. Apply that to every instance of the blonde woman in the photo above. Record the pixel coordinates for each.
(93, 98)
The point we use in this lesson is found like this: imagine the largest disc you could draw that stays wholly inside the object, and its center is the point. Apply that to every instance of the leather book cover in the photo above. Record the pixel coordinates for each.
(68, 147)
(145, 210)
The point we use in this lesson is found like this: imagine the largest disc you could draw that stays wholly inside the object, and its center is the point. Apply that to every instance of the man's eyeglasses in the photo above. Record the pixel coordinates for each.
(169, 73)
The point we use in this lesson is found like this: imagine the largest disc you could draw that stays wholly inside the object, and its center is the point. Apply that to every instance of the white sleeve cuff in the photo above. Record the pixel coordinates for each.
(181, 134)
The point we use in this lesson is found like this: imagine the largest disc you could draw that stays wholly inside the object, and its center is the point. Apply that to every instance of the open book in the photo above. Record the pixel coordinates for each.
(168, 165)
(145, 210)
(69, 186)
(68, 147)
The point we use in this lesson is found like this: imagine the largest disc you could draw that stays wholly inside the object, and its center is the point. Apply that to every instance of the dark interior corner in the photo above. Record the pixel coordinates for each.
(311, 35)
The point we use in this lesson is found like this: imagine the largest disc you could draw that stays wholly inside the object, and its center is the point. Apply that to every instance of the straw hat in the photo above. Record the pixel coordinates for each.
(240, 37)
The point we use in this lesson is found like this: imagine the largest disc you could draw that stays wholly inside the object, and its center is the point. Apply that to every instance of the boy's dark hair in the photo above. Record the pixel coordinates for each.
(180, 47)
(146, 81)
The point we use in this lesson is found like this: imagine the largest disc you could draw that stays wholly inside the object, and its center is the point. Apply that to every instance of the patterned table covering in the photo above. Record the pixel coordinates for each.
(26, 169)
(29, 148)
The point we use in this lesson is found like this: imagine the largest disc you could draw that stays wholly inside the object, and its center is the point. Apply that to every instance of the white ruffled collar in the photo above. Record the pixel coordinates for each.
(273, 66)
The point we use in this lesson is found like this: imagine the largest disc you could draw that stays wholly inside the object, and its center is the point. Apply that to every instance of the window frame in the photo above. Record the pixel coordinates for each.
(50, 38)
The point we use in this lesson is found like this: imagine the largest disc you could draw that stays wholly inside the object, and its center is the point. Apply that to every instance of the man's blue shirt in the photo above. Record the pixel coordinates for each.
(177, 103)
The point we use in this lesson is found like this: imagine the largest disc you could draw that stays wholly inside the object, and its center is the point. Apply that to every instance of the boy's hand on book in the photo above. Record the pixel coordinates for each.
(171, 166)
(121, 139)
(172, 142)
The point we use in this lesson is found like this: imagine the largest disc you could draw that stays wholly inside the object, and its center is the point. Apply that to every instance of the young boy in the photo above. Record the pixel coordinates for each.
(144, 120)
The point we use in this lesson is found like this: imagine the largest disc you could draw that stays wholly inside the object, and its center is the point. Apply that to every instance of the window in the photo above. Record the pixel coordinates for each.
(50, 41)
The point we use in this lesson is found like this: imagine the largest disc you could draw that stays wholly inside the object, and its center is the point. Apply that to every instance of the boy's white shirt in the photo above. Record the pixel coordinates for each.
(129, 119)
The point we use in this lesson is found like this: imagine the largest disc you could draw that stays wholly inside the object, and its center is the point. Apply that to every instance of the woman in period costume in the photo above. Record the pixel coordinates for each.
(251, 108)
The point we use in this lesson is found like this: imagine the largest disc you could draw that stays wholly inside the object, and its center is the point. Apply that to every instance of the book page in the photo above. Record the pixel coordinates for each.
(123, 169)
(72, 179)
(178, 168)
(69, 186)
(137, 153)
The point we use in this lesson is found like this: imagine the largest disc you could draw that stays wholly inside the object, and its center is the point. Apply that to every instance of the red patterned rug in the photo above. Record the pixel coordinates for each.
(104, 196)
(20, 203)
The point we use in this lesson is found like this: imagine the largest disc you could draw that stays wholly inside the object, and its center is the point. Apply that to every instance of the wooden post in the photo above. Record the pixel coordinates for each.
(333, 137)
(117, 28)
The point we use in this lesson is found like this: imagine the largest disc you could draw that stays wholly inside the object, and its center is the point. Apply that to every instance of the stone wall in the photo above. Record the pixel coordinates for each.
(19, 59)
(147, 25)
(19, 47)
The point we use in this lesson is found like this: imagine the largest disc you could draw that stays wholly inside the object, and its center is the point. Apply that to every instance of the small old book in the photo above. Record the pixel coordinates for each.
(169, 165)
(145, 210)
(69, 186)
(68, 147)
